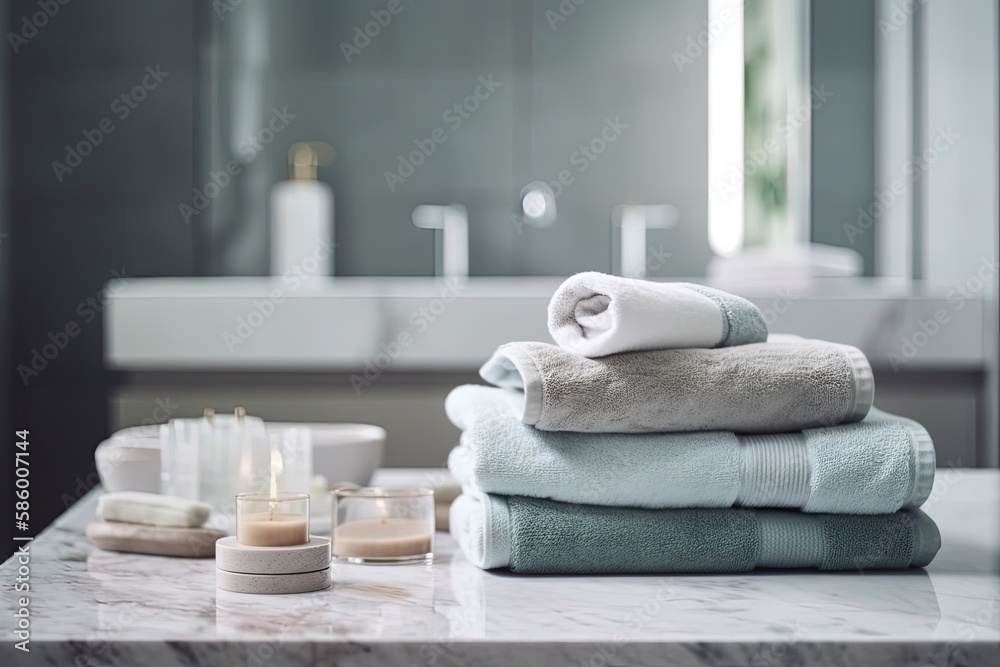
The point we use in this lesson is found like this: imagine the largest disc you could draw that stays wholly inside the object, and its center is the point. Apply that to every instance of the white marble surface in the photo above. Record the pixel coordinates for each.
(91, 607)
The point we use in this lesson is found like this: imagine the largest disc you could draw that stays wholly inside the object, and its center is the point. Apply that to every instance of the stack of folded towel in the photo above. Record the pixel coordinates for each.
(669, 433)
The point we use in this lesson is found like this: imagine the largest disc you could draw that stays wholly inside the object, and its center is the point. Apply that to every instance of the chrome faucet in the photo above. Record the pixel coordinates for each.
(451, 250)
(634, 220)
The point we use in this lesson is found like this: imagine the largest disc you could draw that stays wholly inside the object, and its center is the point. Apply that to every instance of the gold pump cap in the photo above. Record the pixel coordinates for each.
(304, 157)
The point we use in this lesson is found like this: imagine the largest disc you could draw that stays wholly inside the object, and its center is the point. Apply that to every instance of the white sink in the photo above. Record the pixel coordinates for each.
(405, 324)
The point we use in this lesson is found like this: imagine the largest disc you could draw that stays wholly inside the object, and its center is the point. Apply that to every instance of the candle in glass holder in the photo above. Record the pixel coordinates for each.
(279, 520)
(376, 525)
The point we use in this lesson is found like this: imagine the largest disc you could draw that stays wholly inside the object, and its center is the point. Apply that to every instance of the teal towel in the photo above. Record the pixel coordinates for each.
(876, 466)
(535, 536)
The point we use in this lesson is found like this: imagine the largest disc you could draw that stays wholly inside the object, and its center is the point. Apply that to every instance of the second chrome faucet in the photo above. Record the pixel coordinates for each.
(451, 223)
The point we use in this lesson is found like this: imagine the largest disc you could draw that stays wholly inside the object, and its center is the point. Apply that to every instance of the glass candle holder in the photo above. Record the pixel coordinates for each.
(383, 526)
(263, 520)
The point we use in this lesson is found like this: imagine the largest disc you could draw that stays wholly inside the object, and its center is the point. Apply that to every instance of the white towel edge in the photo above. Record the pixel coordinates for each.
(473, 512)
(496, 532)
(527, 405)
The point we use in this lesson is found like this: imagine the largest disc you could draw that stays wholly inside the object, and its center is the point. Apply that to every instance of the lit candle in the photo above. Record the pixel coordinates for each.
(384, 538)
(272, 529)
(275, 519)
(383, 525)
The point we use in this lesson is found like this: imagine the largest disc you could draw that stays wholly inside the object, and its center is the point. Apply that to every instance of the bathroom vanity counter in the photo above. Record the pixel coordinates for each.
(427, 324)
(91, 607)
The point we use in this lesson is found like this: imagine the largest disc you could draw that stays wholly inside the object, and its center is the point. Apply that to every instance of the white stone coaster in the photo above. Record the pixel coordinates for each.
(232, 556)
(273, 584)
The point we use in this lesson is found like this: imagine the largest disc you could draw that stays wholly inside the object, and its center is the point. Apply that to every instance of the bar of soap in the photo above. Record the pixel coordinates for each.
(154, 540)
(152, 509)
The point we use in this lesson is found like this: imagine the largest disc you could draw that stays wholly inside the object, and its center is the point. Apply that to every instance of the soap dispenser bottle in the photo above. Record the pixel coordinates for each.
(302, 216)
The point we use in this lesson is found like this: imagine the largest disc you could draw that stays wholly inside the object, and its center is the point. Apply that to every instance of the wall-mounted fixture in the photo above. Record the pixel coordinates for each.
(538, 204)
(634, 220)
(451, 253)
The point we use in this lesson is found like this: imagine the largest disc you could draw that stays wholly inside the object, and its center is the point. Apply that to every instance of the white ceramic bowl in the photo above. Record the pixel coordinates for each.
(129, 463)
(345, 452)
(130, 459)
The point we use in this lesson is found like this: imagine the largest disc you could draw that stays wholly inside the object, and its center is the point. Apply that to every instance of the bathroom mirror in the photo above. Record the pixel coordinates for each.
(468, 103)
(761, 122)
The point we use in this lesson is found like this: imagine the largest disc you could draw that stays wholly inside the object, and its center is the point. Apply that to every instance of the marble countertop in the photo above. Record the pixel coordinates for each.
(92, 607)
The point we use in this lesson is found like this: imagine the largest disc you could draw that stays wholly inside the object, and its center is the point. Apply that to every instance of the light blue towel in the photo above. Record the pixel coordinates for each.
(876, 466)
(535, 536)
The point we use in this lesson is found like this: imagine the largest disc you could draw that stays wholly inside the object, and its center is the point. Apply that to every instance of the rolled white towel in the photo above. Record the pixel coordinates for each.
(594, 315)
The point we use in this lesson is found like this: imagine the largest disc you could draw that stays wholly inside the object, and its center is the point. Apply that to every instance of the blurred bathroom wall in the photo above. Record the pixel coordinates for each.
(6, 425)
(114, 211)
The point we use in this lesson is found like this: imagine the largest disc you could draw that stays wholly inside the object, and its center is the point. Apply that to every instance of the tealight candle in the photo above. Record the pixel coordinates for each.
(375, 525)
(279, 520)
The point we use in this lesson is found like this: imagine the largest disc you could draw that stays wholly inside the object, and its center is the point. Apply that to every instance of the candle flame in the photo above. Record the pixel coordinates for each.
(277, 466)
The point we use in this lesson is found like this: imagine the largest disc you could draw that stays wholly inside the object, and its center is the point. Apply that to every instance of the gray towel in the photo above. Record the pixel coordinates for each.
(535, 536)
(594, 314)
(876, 466)
(772, 387)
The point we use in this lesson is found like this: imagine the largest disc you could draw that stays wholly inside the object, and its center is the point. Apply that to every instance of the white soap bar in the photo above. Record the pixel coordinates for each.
(152, 509)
